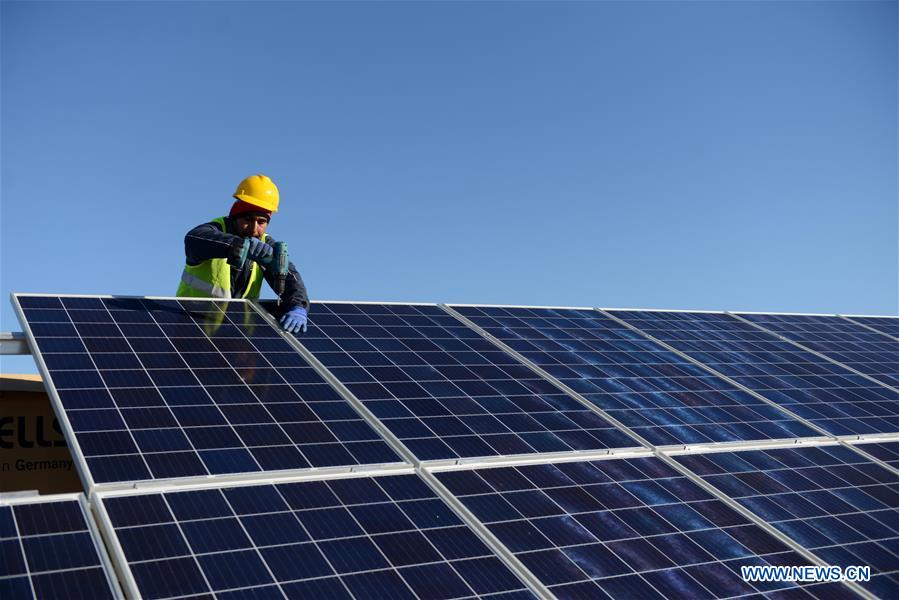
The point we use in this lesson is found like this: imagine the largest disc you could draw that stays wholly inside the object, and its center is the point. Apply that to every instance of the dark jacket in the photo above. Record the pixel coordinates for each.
(208, 241)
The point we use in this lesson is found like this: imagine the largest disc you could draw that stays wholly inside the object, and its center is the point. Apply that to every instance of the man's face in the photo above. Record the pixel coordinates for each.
(251, 225)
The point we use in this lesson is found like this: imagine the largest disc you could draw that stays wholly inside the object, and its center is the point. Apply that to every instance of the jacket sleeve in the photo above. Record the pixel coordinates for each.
(207, 241)
(294, 289)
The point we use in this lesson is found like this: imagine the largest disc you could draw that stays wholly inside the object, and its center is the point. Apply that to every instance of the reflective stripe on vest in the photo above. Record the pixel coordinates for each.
(212, 278)
(208, 289)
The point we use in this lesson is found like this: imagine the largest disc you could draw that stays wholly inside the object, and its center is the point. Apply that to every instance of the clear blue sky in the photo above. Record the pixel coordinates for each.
(730, 155)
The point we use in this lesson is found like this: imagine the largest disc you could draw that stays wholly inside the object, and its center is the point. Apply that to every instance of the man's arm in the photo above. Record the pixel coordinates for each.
(207, 241)
(294, 289)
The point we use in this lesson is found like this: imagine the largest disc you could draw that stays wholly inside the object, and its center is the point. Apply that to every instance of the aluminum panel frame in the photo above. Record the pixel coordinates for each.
(467, 463)
(643, 443)
(335, 383)
(871, 327)
(759, 521)
(68, 432)
(713, 371)
(29, 498)
(126, 576)
(90, 486)
(815, 352)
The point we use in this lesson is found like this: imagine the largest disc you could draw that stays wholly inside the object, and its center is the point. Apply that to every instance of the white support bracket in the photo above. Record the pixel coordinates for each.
(13, 342)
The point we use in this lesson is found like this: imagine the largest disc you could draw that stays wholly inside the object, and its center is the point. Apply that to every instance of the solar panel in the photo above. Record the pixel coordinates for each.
(48, 550)
(846, 342)
(629, 528)
(161, 389)
(661, 396)
(827, 395)
(831, 500)
(888, 325)
(446, 392)
(363, 538)
(888, 452)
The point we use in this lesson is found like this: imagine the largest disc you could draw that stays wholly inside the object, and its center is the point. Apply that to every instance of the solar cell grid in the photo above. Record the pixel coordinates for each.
(830, 499)
(48, 551)
(846, 342)
(443, 390)
(888, 452)
(157, 389)
(828, 395)
(626, 528)
(662, 397)
(888, 325)
(384, 537)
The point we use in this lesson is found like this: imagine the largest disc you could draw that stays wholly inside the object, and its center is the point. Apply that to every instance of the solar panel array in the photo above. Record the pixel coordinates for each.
(888, 325)
(160, 389)
(48, 550)
(623, 529)
(446, 392)
(831, 500)
(221, 452)
(662, 397)
(846, 342)
(372, 537)
(888, 452)
(825, 394)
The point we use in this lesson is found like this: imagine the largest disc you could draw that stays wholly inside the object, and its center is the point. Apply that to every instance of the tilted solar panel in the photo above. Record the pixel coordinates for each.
(443, 390)
(626, 528)
(846, 342)
(362, 538)
(160, 389)
(49, 549)
(661, 396)
(827, 395)
(888, 325)
(888, 452)
(831, 500)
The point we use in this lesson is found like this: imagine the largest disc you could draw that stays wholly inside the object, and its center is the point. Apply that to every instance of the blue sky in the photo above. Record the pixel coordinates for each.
(728, 155)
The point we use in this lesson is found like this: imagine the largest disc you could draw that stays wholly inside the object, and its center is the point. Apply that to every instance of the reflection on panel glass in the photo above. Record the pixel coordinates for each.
(624, 529)
(888, 452)
(445, 391)
(865, 351)
(380, 537)
(830, 396)
(157, 389)
(661, 396)
(888, 325)
(830, 499)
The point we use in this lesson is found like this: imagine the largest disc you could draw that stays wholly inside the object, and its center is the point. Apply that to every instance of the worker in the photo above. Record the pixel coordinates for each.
(213, 250)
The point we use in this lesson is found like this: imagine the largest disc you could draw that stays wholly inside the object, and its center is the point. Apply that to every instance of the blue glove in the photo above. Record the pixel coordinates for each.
(259, 251)
(295, 320)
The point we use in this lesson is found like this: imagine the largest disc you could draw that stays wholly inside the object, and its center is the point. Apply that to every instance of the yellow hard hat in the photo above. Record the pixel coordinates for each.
(260, 191)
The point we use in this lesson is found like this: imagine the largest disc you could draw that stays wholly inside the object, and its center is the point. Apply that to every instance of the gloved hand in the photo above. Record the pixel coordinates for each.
(295, 320)
(259, 251)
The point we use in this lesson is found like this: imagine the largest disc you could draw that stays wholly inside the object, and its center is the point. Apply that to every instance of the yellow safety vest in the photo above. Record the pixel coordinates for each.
(212, 278)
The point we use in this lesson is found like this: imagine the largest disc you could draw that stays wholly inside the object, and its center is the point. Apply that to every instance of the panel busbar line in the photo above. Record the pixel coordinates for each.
(49, 548)
(816, 389)
(446, 392)
(657, 394)
(623, 528)
(159, 389)
(388, 536)
(874, 354)
(833, 501)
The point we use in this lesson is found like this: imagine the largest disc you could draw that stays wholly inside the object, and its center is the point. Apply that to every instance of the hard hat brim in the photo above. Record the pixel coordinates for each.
(269, 206)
